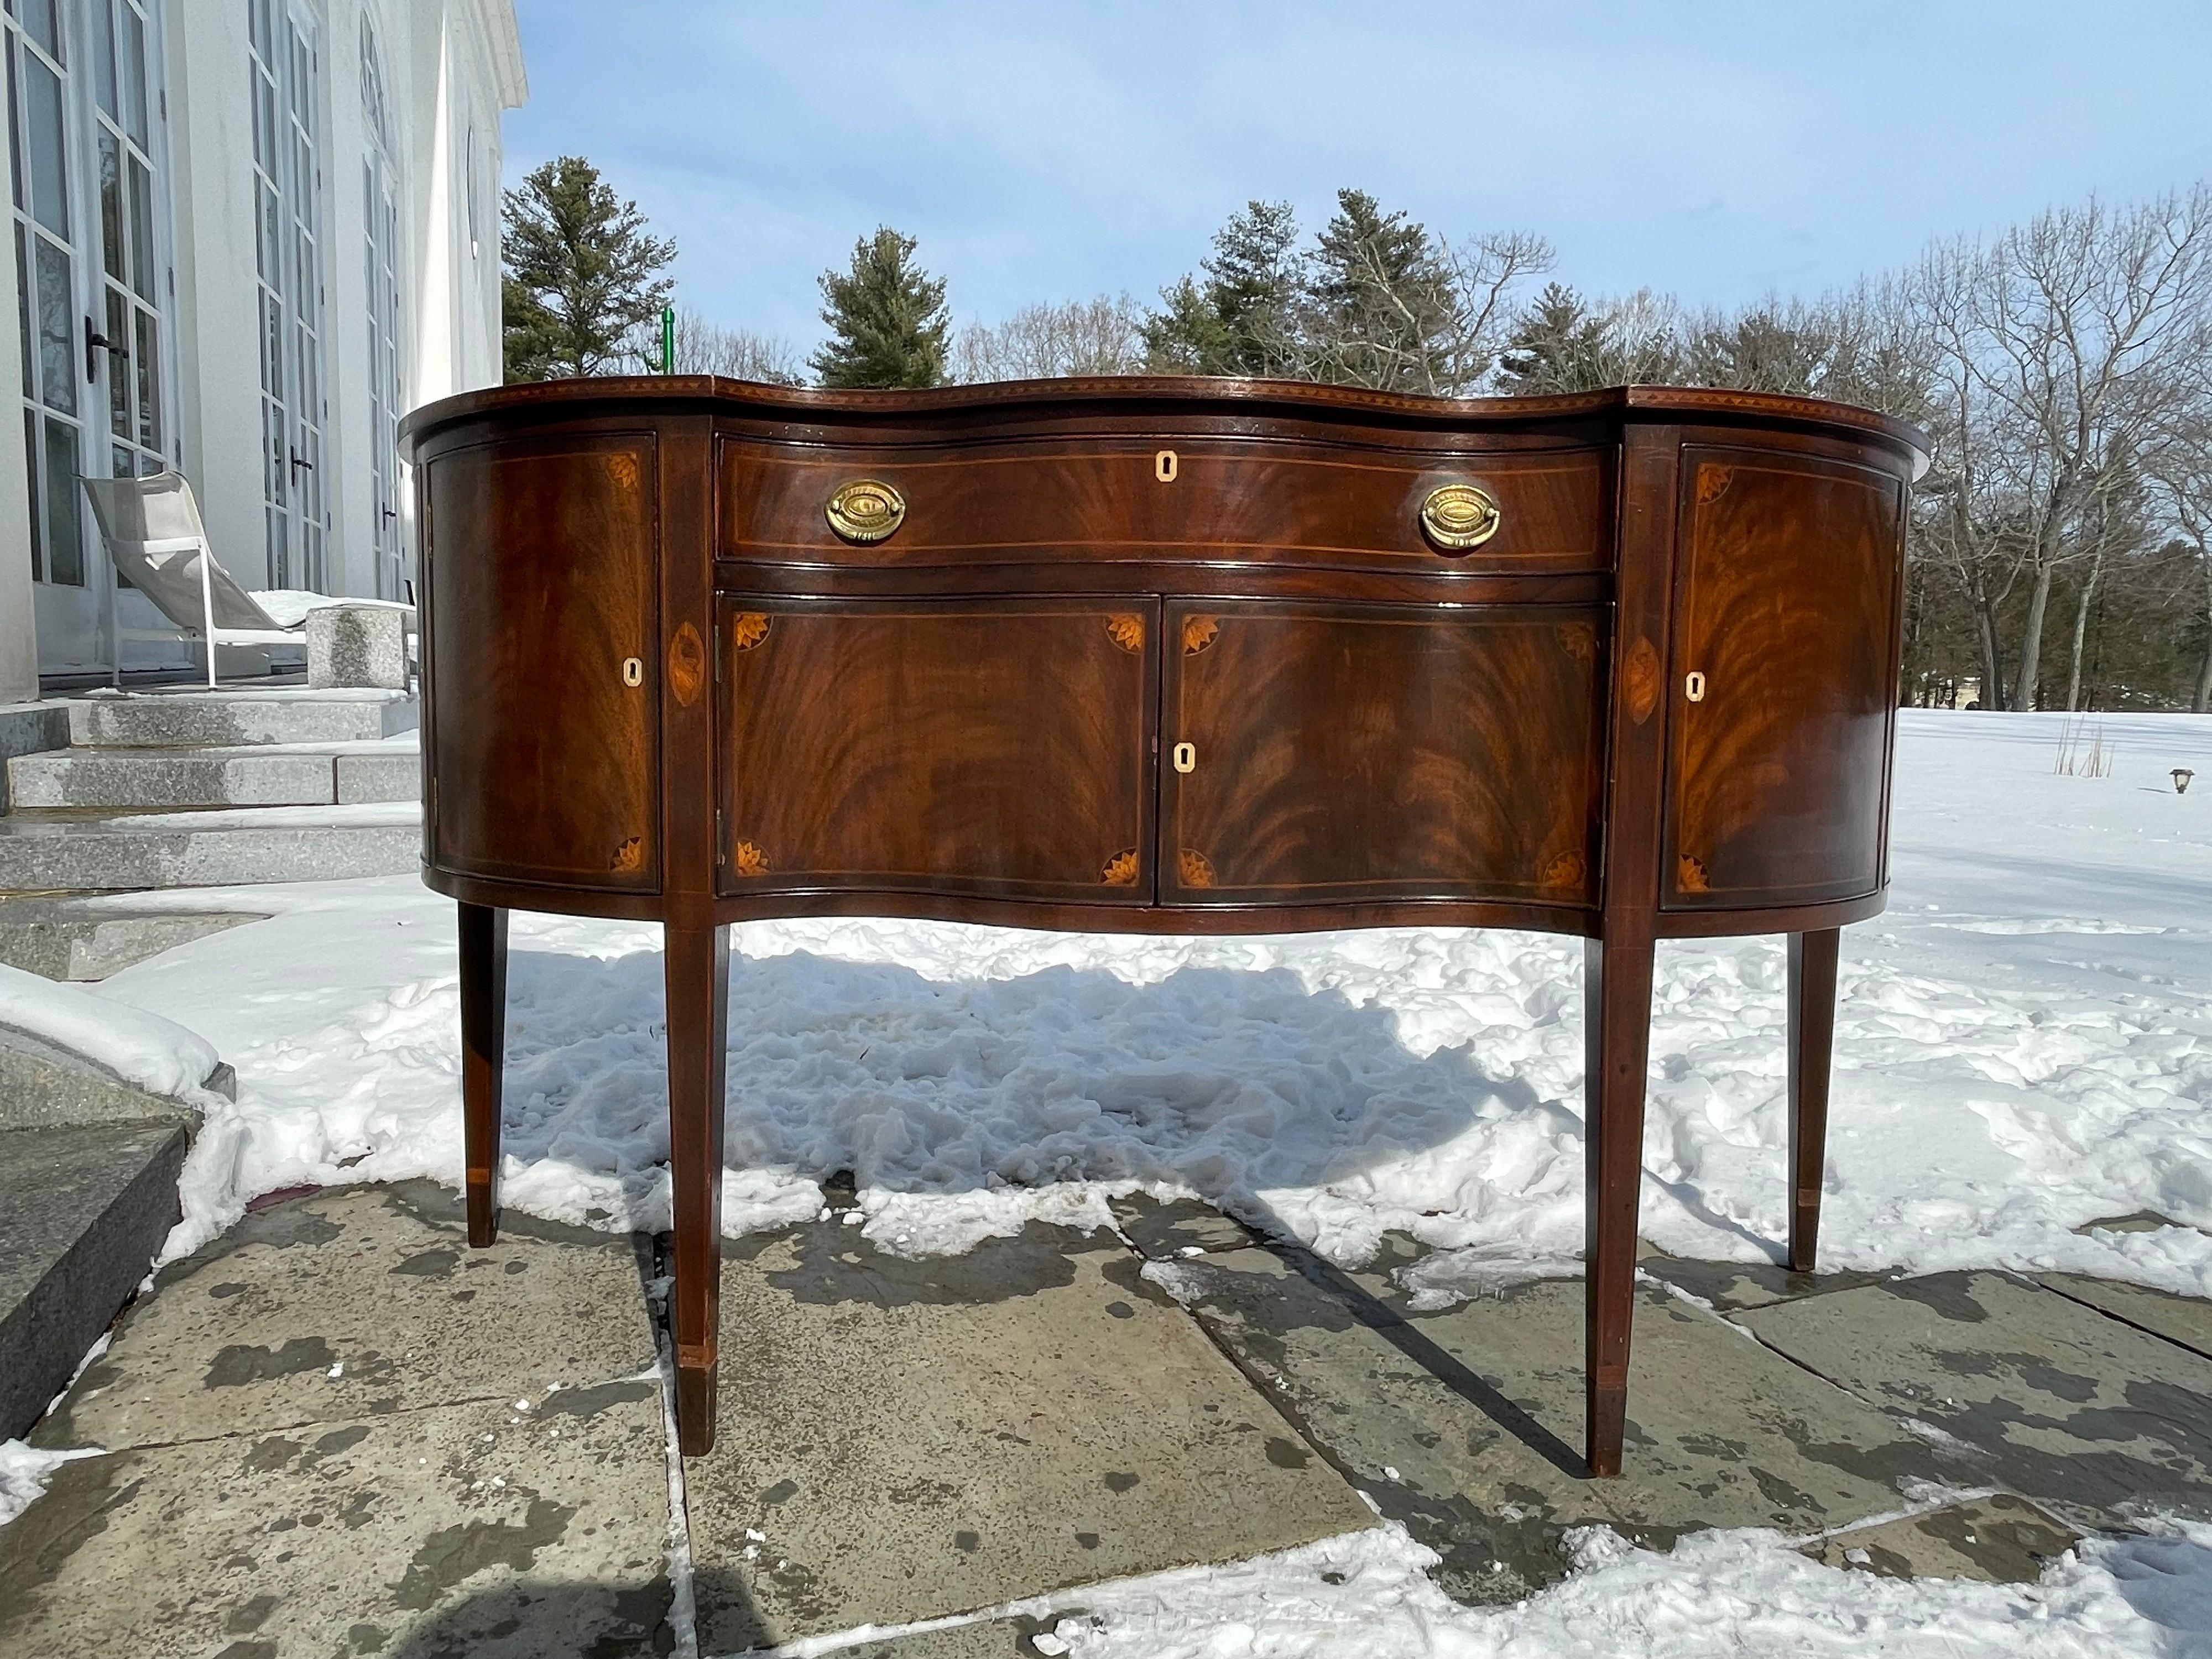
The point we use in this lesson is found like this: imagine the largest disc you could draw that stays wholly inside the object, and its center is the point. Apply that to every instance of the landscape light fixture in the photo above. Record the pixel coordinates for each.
(2181, 777)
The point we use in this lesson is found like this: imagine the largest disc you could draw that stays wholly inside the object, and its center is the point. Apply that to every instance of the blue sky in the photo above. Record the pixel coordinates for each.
(1055, 151)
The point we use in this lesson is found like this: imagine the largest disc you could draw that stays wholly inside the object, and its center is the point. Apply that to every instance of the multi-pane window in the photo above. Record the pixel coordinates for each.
(129, 262)
(287, 265)
(381, 254)
(39, 92)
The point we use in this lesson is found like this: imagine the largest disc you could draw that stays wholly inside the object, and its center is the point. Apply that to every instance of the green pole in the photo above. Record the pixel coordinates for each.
(668, 339)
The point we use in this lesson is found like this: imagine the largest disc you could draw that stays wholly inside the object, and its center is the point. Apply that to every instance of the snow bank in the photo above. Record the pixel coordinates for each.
(1365, 1595)
(2024, 1046)
(143, 1049)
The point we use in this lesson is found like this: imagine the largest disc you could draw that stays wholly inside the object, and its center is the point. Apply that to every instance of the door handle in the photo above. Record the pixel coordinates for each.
(94, 341)
(1185, 756)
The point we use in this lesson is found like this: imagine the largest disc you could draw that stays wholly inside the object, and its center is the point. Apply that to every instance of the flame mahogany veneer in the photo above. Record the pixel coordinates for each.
(1167, 656)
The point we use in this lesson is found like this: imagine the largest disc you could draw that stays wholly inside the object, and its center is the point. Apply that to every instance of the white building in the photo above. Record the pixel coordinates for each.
(248, 236)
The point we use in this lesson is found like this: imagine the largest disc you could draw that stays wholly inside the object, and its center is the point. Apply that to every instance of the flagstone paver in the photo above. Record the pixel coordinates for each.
(1467, 1424)
(2184, 1319)
(1999, 1539)
(355, 1302)
(2059, 1403)
(249, 1504)
(904, 1440)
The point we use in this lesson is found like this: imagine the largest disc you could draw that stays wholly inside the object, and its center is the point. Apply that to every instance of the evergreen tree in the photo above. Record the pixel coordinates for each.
(581, 274)
(887, 317)
(1382, 310)
(1239, 320)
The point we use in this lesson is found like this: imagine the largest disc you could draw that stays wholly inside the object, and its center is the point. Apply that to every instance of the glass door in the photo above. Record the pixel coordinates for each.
(288, 263)
(84, 111)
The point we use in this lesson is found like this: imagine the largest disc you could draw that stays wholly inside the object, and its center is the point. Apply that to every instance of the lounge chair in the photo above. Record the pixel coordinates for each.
(152, 530)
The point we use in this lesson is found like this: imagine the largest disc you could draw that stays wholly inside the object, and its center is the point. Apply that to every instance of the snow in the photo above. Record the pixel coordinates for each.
(24, 1472)
(156, 1055)
(1746, 1592)
(288, 607)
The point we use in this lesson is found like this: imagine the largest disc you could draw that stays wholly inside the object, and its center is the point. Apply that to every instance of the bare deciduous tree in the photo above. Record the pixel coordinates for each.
(707, 348)
(2071, 342)
(1102, 336)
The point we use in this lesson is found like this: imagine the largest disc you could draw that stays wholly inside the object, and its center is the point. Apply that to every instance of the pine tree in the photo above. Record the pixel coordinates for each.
(1238, 321)
(1381, 308)
(887, 317)
(581, 273)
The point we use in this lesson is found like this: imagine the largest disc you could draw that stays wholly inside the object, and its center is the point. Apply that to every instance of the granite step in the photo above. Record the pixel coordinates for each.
(53, 852)
(85, 939)
(247, 775)
(87, 1206)
(187, 719)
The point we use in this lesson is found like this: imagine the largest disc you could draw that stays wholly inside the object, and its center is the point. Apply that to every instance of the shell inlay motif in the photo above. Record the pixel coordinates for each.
(1194, 867)
(1568, 870)
(628, 857)
(1121, 870)
(1713, 482)
(1690, 875)
(1639, 679)
(748, 629)
(1126, 631)
(748, 860)
(687, 664)
(1198, 633)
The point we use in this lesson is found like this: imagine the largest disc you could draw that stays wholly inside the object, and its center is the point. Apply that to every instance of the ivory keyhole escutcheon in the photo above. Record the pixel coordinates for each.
(1185, 758)
(1163, 466)
(1694, 688)
(632, 670)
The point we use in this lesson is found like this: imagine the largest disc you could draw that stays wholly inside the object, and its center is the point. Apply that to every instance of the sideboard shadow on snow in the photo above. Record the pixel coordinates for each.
(1157, 655)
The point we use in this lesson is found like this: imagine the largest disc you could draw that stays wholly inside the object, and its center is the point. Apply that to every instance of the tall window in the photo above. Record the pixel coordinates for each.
(380, 179)
(288, 263)
(39, 92)
(129, 283)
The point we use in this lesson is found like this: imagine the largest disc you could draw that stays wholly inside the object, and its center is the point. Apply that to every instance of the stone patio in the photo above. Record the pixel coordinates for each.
(341, 1431)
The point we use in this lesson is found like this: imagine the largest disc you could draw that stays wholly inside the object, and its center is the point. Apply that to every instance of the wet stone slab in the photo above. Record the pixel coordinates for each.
(1467, 1424)
(1183, 1227)
(2051, 1399)
(462, 1530)
(1999, 1540)
(906, 1440)
(355, 1302)
(1732, 1286)
(2184, 1319)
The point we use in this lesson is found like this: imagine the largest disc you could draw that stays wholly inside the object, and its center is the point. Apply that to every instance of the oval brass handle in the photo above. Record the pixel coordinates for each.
(632, 670)
(1185, 758)
(1459, 516)
(1694, 688)
(866, 510)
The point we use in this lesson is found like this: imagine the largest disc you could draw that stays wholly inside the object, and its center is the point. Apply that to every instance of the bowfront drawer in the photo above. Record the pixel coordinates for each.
(1333, 507)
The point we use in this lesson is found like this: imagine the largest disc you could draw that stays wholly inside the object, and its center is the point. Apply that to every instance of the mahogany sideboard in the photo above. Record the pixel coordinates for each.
(1164, 656)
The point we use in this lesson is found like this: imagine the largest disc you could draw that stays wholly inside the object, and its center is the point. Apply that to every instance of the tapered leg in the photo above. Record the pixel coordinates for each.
(698, 970)
(483, 1055)
(1617, 1020)
(1812, 1039)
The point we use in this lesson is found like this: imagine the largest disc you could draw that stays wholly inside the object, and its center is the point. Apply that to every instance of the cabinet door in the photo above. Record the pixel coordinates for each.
(1001, 748)
(539, 580)
(1353, 751)
(1787, 609)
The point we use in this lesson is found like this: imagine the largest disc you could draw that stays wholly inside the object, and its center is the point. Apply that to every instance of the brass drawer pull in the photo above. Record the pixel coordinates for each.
(866, 510)
(632, 670)
(1459, 516)
(1186, 756)
(1694, 688)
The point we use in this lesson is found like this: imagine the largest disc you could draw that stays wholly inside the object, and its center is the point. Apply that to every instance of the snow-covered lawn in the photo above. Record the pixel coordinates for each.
(2024, 1045)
